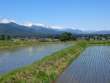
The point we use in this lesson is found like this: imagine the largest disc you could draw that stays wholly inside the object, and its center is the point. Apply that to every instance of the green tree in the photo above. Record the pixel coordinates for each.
(2, 37)
(8, 37)
(5, 37)
(65, 36)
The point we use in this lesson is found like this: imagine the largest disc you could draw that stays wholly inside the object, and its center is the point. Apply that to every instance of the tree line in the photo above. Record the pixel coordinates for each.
(65, 36)
(5, 37)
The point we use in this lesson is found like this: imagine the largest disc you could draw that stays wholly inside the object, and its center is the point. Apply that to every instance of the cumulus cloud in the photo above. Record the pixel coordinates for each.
(39, 24)
(5, 20)
(56, 27)
(28, 24)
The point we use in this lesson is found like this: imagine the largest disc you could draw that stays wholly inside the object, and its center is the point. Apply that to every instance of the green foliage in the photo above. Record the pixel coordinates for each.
(65, 36)
(5, 37)
(7, 44)
(2, 37)
(8, 37)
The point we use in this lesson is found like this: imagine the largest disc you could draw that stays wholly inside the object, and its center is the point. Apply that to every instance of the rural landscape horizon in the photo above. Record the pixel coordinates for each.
(54, 41)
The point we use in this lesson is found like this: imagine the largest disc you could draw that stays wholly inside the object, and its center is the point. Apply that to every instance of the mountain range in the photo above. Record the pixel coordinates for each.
(14, 29)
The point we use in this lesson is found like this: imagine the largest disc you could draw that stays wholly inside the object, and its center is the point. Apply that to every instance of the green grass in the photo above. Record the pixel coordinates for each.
(11, 44)
(7, 44)
(45, 70)
(99, 42)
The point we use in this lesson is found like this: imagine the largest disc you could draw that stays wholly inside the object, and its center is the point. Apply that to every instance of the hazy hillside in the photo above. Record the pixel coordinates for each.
(13, 29)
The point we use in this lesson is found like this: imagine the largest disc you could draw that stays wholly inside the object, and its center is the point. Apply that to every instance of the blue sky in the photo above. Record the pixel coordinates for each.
(77, 14)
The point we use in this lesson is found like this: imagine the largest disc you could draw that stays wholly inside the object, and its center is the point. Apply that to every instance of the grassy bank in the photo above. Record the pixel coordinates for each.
(99, 42)
(47, 69)
(5, 44)
(11, 44)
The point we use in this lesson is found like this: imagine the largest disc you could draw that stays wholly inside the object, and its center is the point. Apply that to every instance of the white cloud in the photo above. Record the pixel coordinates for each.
(28, 24)
(5, 20)
(57, 27)
(39, 24)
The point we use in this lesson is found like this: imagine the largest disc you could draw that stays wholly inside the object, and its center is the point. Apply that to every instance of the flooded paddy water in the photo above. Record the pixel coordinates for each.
(92, 66)
(11, 59)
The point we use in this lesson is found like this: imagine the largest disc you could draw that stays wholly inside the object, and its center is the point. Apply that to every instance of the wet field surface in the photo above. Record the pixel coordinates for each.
(11, 59)
(93, 66)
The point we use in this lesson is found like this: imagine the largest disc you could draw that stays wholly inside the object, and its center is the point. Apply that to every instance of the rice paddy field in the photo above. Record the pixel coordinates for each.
(93, 66)
(82, 62)
(47, 69)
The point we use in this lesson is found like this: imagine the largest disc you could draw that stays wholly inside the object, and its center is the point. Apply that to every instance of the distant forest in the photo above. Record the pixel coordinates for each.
(63, 37)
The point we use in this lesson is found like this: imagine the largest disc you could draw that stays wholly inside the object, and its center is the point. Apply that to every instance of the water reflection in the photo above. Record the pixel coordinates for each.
(93, 66)
(13, 58)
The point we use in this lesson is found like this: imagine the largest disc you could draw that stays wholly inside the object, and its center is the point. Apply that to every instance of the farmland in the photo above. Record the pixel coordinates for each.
(50, 68)
(92, 66)
(47, 69)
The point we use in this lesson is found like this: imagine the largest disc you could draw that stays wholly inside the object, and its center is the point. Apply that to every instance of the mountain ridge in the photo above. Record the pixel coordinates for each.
(14, 29)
